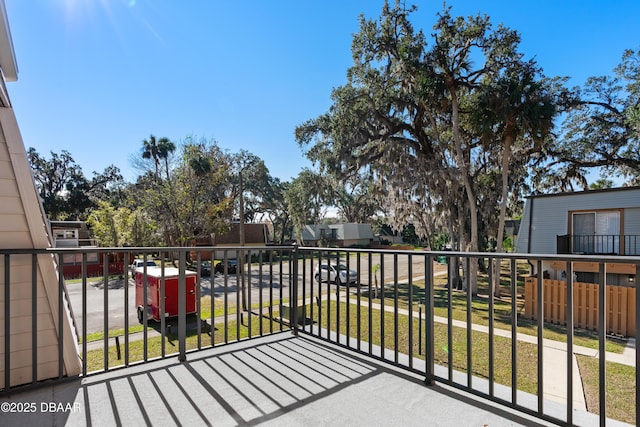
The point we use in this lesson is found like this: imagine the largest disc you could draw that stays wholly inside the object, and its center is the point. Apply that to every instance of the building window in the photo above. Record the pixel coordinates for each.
(596, 232)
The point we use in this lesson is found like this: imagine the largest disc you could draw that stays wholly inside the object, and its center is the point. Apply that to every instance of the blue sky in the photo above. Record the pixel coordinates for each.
(96, 77)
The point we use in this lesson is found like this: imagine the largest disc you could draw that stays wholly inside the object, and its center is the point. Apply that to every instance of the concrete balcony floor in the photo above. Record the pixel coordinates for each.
(276, 380)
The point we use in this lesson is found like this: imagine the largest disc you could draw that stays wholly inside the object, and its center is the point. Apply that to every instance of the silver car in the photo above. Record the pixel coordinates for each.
(338, 273)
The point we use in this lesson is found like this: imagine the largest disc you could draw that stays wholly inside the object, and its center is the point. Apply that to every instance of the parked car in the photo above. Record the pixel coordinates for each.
(338, 273)
(139, 263)
(205, 268)
(219, 267)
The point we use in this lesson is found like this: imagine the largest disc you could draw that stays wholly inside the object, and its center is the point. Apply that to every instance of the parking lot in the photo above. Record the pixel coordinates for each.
(270, 280)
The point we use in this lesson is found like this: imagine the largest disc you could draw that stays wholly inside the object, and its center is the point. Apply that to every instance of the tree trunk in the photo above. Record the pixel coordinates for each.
(463, 164)
(461, 247)
(508, 140)
(166, 167)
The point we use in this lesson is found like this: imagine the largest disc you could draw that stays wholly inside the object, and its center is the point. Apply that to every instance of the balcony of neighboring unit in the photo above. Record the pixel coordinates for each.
(74, 243)
(599, 244)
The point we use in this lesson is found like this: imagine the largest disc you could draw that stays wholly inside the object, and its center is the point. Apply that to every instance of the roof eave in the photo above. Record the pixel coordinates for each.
(8, 62)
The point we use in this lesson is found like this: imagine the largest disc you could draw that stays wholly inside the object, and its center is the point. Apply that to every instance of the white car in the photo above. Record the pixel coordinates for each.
(338, 273)
(139, 263)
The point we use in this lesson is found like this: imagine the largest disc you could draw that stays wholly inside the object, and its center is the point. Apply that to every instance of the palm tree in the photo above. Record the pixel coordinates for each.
(521, 108)
(150, 150)
(165, 147)
(200, 164)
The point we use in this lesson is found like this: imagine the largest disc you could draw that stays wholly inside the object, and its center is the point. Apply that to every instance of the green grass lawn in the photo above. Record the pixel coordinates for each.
(205, 314)
(234, 332)
(480, 310)
(620, 388)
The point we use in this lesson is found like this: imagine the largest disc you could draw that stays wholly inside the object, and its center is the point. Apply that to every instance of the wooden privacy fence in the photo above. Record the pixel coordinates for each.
(620, 305)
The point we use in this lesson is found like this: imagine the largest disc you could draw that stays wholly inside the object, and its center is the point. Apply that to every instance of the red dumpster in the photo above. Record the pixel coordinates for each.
(154, 278)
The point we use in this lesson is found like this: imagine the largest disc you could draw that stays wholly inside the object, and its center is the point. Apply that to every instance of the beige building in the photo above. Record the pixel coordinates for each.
(24, 226)
(255, 234)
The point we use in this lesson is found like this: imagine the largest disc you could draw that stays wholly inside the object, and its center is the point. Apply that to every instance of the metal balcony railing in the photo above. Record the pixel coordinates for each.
(605, 244)
(73, 242)
(407, 308)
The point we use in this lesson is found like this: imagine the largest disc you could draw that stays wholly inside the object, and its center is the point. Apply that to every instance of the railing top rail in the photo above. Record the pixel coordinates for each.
(134, 250)
(139, 249)
(504, 255)
(602, 235)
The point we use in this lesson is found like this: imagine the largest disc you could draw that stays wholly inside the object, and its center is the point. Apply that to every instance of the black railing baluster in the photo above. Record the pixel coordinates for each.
(319, 280)
(637, 334)
(453, 276)
(105, 319)
(145, 298)
(410, 284)
(429, 340)
(304, 289)
(570, 356)
(312, 300)
(197, 291)
(602, 343)
(514, 332)
(226, 299)
(382, 307)
(61, 335)
(358, 302)
(395, 308)
(84, 312)
(182, 311)
(162, 307)
(540, 316)
(492, 278)
(239, 268)
(467, 279)
(260, 302)
(328, 294)
(370, 303)
(294, 297)
(247, 281)
(337, 282)
(271, 290)
(280, 286)
(125, 274)
(347, 296)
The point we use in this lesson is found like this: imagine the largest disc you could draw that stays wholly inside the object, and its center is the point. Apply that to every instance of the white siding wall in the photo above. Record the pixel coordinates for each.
(549, 215)
(632, 220)
(22, 226)
(632, 229)
(354, 232)
(350, 233)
